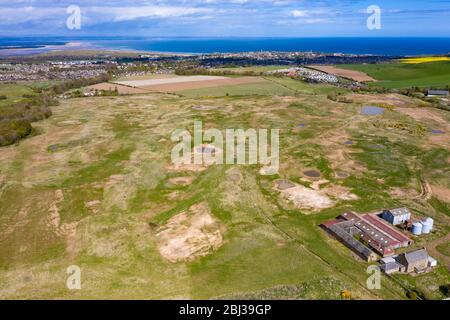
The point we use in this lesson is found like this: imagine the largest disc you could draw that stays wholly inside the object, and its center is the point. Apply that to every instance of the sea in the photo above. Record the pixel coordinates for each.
(406, 46)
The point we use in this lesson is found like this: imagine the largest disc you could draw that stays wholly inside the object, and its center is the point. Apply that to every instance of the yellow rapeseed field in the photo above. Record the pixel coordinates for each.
(424, 60)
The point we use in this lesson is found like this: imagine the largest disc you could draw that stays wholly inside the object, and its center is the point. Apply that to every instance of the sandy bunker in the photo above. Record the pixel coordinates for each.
(313, 198)
(190, 234)
(303, 197)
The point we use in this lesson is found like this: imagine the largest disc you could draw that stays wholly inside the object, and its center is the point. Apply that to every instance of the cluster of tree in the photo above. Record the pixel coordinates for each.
(445, 290)
(96, 93)
(62, 87)
(12, 131)
(16, 118)
(106, 93)
(141, 68)
(333, 96)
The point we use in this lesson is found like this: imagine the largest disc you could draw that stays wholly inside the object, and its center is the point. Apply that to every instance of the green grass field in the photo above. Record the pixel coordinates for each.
(402, 75)
(262, 89)
(272, 86)
(302, 87)
(444, 249)
(14, 93)
(94, 189)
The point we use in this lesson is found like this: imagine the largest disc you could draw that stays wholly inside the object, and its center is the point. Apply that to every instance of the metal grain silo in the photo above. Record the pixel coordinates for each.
(427, 226)
(430, 221)
(417, 228)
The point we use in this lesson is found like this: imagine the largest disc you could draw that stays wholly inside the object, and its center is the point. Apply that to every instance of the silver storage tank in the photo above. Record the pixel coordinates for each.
(417, 228)
(427, 226)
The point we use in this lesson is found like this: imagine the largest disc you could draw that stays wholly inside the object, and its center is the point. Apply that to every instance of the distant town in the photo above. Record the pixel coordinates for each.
(65, 66)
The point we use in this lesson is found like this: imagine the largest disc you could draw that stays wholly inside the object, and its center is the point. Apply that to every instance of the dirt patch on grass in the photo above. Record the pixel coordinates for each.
(284, 184)
(422, 114)
(190, 234)
(442, 139)
(94, 205)
(181, 181)
(314, 198)
(317, 183)
(340, 193)
(402, 193)
(67, 123)
(54, 219)
(21, 220)
(187, 167)
(67, 231)
(389, 99)
(338, 153)
(306, 198)
(206, 108)
(234, 176)
(441, 193)
(344, 73)
(207, 152)
(119, 189)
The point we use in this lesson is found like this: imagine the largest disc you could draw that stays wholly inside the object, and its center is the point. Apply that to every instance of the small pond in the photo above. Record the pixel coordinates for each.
(371, 110)
(312, 173)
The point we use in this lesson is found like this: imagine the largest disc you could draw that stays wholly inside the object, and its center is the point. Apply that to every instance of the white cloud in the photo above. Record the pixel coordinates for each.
(29, 13)
(132, 13)
(299, 13)
(92, 15)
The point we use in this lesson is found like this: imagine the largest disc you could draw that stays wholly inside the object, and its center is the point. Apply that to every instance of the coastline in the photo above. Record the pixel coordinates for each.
(200, 46)
(78, 47)
(44, 49)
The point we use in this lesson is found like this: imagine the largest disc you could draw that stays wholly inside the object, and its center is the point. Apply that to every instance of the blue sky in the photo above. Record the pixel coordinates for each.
(225, 18)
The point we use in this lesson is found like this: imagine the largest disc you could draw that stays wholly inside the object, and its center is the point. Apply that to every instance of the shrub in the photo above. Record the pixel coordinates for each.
(16, 119)
(445, 289)
(412, 295)
(345, 294)
(333, 96)
(12, 131)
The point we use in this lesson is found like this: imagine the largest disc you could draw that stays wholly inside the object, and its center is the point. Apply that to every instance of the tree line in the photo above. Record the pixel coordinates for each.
(16, 118)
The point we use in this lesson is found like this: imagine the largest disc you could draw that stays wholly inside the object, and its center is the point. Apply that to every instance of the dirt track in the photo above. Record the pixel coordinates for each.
(431, 247)
(426, 191)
